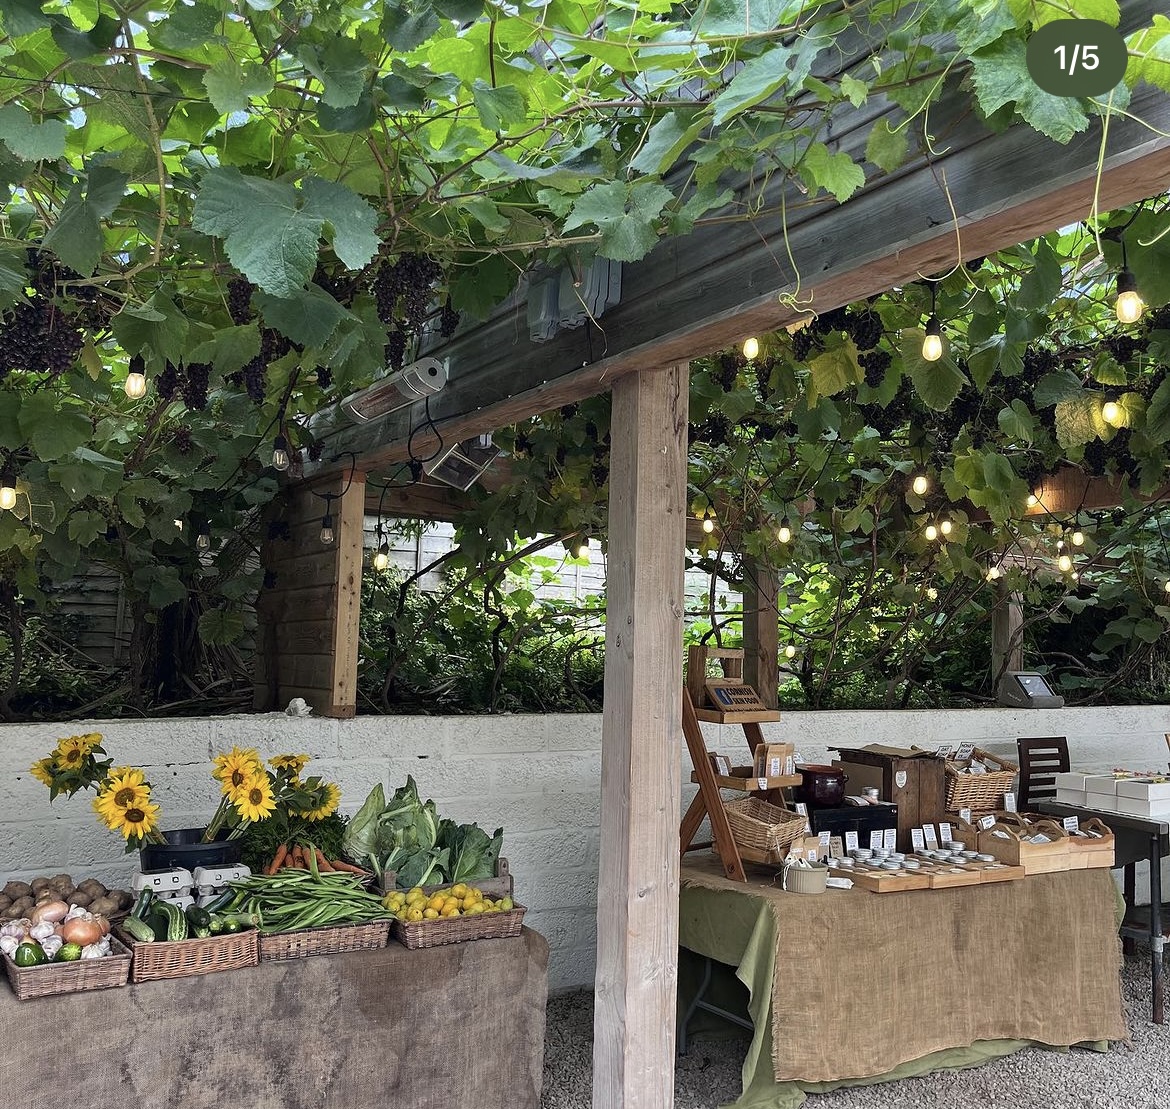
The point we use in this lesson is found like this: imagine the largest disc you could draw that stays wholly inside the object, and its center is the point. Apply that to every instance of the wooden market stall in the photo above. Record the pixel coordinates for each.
(690, 296)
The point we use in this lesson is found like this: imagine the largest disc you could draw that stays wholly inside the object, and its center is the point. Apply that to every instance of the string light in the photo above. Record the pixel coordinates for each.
(1077, 538)
(1111, 412)
(280, 458)
(945, 527)
(1129, 304)
(931, 532)
(932, 344)
(382, 558)
(708, 524)
(751, 347)
(1033, 500)
(931, 593)
(8, 486)
(203, 536)
(135, 385)
(790, 650)
(785, 532)
(994, 573)
(179, 524)
(1064, 563)
(1167, 586)
(920, 484)
(327, 528)
(582, 550)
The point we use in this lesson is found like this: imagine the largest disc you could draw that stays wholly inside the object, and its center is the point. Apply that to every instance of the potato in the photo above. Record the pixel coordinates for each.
(78, 898)
(125, 898)
(39, 884)
(93, 887)
(61, 881)
(105, 906)
(22, 907)
(17, 890)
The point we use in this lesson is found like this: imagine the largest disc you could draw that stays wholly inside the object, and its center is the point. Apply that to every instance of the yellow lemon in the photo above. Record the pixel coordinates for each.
(430, 914)
(475, 910)
(504, 904)
(453, 911)
(459, 890)
(414, 915)
(417, 891)
(436, 902)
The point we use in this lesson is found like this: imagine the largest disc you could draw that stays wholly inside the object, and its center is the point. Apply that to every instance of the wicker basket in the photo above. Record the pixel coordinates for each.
(183, 958)
(83, 974)
(327, 940)
(763, 832)
(417, 934)
(979, 792)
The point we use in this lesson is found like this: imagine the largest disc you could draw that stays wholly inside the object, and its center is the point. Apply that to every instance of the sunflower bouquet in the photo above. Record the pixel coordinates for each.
(249, 792)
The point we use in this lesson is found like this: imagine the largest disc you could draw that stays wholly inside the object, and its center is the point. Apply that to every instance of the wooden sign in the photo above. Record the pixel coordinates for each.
(733, 697)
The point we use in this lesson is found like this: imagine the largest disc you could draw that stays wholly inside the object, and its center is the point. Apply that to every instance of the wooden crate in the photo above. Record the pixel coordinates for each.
(916, 784)
(881, 881)
(1086, 854)
(1009, 846)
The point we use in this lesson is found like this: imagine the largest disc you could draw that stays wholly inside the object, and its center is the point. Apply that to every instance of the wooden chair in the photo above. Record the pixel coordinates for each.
(1041, 759)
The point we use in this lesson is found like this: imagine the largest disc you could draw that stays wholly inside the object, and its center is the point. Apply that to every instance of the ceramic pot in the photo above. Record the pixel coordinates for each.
(821, 785)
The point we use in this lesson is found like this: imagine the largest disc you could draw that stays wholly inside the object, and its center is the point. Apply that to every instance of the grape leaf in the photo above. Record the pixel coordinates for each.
(836, 173)
(1055, 387)
(229, 349)
(1042, 282)
(187, 27)
(27, 139)
(22, 17)
(1150, 55)
(936, 383)
(857, 92)
(405, 26)
(157, 327)
(308, 316)
(53, 429)
(76, 237)
(624, 214)
(741, 17)
(886, 147)
(665, 142)
(1158, 413)
(835, 370)
(340, 66)
(1080, 421)
(1017, 422)
(230, 86)
(499, 108)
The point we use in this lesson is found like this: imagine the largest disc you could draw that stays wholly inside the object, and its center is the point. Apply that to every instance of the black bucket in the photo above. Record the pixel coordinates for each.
(184, 849)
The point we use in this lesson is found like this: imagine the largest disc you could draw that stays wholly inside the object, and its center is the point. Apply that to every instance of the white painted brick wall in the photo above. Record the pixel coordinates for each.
(537, 776)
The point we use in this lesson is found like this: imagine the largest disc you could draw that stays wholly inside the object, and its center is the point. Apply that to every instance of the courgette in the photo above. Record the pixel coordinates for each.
(168, 922)
(139, 929)
(198, 921)
(142, 905)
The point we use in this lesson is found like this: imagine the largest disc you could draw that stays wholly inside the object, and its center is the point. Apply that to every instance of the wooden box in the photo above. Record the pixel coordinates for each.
(915, 781)
(1009, 845)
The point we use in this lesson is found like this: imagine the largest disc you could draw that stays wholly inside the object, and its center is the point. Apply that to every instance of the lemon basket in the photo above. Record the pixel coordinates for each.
(82, 974)
(330, 939)
(417, 934)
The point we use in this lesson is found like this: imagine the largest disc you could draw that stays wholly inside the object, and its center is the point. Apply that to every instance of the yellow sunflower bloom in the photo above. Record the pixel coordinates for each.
(122, 776)
(42, 770)
(70, 752)
(294, 764)
(253, 798)
(123, 797)
(90, 740)
(328, 798)
(137, 821)
(236, 767)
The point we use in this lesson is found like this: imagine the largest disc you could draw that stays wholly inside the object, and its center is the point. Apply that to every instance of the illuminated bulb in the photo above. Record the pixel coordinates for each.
(945, 527)
(1064, 563)
(708, 525)
(931, 593)
(785, 532)
(751, 347)
(7, 491)
(920, 484)
(1129, 304)
(327, 529)
(993, 573)
(583, 547)
(1060, 545)
(135, 385)
(203, 538)
(280, 459)
(932, 344)
(1076, 576)
(179, 524)
(382, 558)
(1078, 538)
(1111, 412)
(1033, 500)
(790, 650)
(931, 532)
(1168, 585)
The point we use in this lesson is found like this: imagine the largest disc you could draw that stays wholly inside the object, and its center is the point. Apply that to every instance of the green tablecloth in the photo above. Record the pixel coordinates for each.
(736, 927)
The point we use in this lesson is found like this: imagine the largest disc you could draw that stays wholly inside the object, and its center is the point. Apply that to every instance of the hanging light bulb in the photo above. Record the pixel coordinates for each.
(931, 593)
(135, 385)
(994, 573)
(932, 344)
(583, 547)
(1033, 500)
(280, 458)
(1111, 413)
(1167, 587)
(1077, 538)
(785, 532)
(751, 347)
(8, 486)
(327, 528)
(945, 527)
(920, 485)
(790, 650)
(931, 532)
(1129, 304)
(382, 558)
(1064, 563)
(708, 524)
(203, 536)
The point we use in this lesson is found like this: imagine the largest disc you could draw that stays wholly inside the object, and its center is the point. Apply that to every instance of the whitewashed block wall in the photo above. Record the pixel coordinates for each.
(537, 776)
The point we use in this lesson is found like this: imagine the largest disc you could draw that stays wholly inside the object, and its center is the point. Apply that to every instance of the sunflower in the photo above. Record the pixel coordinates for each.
(138, 821)
(70, 753)
(328, 797)
(42, 770)
(89, 741)
(122, 792)
(253, 798)
(290, 764)
(236, 767)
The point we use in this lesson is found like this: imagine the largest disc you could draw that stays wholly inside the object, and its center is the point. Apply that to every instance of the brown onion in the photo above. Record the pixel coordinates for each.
(52, 911)
(102, 923)
(81, 932)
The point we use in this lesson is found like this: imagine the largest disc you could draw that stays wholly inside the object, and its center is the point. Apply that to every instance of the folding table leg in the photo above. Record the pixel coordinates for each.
(1157, 940)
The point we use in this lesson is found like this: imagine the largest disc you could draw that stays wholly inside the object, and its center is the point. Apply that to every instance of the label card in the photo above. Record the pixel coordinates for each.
(802, 808)
(762, 783)
(945, 834)
(851, 841)
(824, 838)
(965, 751)
(722, 765)
(1071, 823)
(890, 839)
(812, 854)
(789, 765)
(965, 815)
(836, 847)
(1009, 802)
(875, 839)
(918, 839)
(931, 836)
(986, 822)
(945, 750)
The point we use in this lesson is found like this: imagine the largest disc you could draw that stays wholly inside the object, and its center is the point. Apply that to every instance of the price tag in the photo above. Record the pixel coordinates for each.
(945, 750)
(965, 751)
(986, 822)
(918, 839)
(762, 783)
(1009, 802)
(965, 816)
(851, 841)
(824, 838)
(931, 836)
(875, 839)
(1071, 823)
(811, 854)
(802, 808)
(836, 847)
(890, 839)
(944, 831)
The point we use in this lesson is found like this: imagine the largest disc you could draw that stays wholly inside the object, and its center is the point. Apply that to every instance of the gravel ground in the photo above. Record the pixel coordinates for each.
(1133, 1076)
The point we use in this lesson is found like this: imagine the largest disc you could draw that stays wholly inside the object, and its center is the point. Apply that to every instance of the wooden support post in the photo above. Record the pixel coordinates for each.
(761, 631)
(637, 913)
(1007, 633)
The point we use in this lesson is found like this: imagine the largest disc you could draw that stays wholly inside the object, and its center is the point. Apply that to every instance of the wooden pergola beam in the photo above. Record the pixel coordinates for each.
(1069, 490)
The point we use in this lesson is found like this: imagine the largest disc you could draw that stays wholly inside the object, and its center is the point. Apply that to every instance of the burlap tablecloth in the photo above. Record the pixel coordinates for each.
(453, 1027)
(854, 985)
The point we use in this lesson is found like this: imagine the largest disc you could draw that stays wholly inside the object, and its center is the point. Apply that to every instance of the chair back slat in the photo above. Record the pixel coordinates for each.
(1041, 759)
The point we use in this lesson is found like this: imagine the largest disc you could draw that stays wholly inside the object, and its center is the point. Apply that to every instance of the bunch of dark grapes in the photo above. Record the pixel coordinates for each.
(1038, 362)
(198, 378)
(725, 371)
(1123, 347)
(522, 445)
(875, 363)
(599, 474)
(324, 377)
(181, 437)
(591, 431)
(1149, 385)
(568, 411)
(38, 337)
(167, 382)
(61, 341)
(1030, 468)
(448, 319)
(803, 342)
(254, 378)
(273, 345)
(417, 272)
(763, 370)
(387, 288)
(395, 348)
(1096, 458)
(836, 320)
(316, 450)
(865, 327)
(239, 299)
(1160, 318)
(715, 430)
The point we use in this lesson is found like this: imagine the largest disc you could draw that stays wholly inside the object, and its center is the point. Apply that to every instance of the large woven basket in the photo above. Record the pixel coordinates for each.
(183, 958)
(417, 934)
(328, 940)
(979, 792)
(83, 974)
(763, 832)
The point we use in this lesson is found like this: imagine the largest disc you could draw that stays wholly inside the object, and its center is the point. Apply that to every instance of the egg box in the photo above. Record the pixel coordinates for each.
(178, 880)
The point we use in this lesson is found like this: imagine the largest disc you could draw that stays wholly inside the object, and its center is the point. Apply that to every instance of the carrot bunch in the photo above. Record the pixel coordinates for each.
(302, 856)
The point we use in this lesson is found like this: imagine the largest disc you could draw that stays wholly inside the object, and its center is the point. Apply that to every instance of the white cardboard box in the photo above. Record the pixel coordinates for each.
(1070, 796)
(1144, 790)
(1106, 801)
(1073, 781)
(1158, 810)
(1101, 783)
